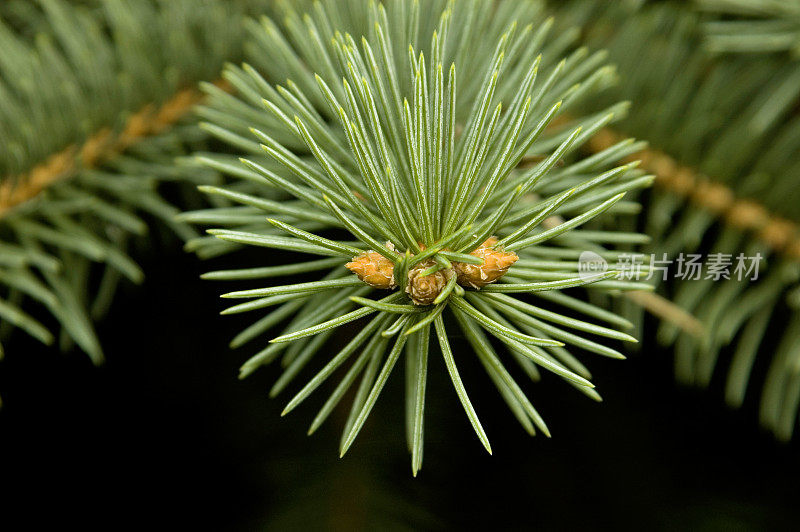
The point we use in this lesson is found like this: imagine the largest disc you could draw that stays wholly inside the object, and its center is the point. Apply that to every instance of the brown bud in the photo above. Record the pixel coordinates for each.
(424, 290)
(374, 269)
(495, 264)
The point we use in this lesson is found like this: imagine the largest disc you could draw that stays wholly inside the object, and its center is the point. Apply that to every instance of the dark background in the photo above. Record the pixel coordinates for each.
(164, 435)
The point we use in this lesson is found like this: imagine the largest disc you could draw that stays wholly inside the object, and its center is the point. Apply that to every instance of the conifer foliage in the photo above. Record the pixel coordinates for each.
(433, 169)
(94, 100)
(726, 171)
(425, 151)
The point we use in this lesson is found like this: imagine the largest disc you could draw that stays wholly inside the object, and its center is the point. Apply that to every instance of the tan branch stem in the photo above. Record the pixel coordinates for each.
(100, 147)
(779, 234)
(666, 310)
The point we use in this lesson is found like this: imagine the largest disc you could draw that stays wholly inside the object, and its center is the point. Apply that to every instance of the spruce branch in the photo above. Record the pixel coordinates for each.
(96, 102)
(720, 97)
(408, 133)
